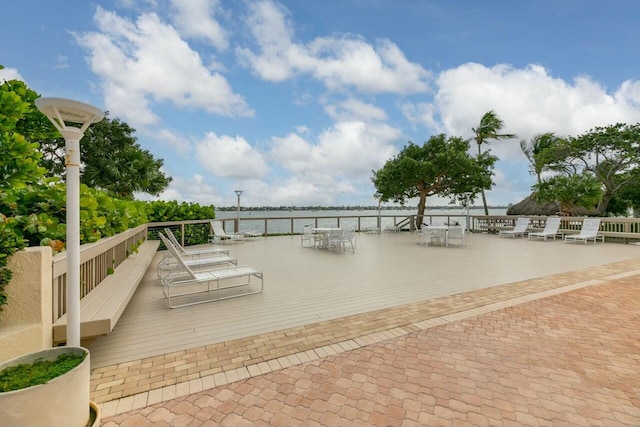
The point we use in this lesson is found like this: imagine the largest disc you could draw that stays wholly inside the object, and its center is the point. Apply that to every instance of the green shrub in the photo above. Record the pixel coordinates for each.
(39, 372)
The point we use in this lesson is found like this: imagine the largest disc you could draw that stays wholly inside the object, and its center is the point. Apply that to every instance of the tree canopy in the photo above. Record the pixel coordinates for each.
(569, 191)
(542, 151)
(112, 160)
(441, 166)
(611, 155)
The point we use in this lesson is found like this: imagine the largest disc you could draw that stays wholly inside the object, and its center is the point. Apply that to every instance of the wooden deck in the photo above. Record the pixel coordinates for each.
(305, 285)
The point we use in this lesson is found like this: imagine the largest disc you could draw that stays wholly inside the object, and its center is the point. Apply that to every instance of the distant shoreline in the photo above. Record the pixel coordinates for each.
(346, 208)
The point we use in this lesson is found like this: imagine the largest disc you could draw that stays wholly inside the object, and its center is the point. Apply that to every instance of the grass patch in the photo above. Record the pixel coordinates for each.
(39, 372)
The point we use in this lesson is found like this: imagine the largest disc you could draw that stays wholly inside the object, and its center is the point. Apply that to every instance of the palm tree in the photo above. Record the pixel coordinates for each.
(535, 152)
(489, 128)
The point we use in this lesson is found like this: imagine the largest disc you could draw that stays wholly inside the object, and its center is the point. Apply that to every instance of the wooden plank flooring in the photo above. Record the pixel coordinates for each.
(305, 285)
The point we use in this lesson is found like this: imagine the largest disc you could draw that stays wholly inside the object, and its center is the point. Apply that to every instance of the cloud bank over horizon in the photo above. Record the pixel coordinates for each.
(348, 101)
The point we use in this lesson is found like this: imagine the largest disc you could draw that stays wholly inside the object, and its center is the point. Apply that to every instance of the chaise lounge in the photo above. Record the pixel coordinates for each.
(589, 231)
(520, 229)
(551, 228)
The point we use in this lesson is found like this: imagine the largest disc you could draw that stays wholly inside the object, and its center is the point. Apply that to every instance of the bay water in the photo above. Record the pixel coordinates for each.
(282, 221)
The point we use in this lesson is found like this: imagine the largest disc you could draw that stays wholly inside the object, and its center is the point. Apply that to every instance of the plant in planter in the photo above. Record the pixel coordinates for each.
(48, 387)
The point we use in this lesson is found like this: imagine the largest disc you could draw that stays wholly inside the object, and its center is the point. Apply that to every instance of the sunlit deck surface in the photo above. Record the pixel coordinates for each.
(313, 297)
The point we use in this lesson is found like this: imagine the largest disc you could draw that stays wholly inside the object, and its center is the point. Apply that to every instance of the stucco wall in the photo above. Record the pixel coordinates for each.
(25, 321)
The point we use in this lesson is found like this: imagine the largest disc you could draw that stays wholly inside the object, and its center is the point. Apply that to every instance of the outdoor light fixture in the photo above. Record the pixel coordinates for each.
(238, 193)
(467, 198)
(60, 112)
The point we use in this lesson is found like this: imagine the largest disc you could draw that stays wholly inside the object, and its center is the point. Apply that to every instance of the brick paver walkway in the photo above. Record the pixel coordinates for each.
(566, 359)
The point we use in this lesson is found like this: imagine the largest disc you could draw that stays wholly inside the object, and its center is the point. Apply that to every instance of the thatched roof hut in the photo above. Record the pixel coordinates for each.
(530, 206)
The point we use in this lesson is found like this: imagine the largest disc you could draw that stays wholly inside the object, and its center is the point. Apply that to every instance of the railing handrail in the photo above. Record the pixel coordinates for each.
(90, 250)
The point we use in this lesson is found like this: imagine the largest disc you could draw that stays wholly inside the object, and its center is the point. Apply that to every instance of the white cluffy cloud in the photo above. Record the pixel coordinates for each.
(529, 101)
(228, 157)
(7, 74)
(146, 62)
(194, 18)
(348, 149)
(338, 61)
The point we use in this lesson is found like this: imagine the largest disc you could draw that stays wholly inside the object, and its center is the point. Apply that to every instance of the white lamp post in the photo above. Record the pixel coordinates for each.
(467, 199)
(238, 193)
(59, 111)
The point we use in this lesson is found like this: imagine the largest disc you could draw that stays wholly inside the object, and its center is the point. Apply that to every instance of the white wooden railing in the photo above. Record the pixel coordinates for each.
(97, 260)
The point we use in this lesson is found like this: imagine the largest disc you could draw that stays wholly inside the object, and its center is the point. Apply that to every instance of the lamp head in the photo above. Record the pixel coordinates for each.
(60, 110)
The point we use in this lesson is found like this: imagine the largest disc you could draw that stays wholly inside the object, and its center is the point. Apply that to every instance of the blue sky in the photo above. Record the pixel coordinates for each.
(295, 102)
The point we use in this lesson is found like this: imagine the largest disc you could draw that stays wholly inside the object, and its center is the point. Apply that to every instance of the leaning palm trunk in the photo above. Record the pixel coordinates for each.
(484, 203)
(484, 198)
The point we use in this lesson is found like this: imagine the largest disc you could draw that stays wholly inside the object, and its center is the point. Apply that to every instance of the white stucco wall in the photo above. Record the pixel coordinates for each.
(25, 321)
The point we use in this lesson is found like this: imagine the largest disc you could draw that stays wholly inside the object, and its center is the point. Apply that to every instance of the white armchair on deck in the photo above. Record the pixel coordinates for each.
(308, 236)
(456, 234)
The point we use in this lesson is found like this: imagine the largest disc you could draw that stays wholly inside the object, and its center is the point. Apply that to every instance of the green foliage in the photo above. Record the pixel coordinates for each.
(39, 372)
(160, 211)
(40, 211)
(627, 197)
(19, 158)
(442, 166)
(569, 191)
(19, 164)
(609, 154)
(543, 152)
(194, 234)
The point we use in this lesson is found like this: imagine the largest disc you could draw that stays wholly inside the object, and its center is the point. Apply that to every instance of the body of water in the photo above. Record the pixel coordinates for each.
(283, 220)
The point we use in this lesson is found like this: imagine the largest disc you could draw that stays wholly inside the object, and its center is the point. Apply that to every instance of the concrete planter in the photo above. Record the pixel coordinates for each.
(63, 401)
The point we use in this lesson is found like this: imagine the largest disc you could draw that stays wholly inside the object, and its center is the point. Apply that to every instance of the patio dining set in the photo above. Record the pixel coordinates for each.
(441, 234)
(328, 237)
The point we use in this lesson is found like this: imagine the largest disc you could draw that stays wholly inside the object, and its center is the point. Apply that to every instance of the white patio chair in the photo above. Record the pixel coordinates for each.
(334, 237)
(192, 252)
(589, 231)
(346, 238)
(550, 230)
(219, 235)
(308, 236)
(431, 235)
(455, 234)
(519, 230)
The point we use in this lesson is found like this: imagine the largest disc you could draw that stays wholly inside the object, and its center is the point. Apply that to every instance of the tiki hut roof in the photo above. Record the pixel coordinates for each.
(530, 206)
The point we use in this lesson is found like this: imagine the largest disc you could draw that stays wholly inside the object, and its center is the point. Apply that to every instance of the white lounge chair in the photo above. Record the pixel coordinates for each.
(173, 260)
(220, 236)
(589, 231)
(198, 284)
(193, 252)
(519, 230)
(550, 230)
